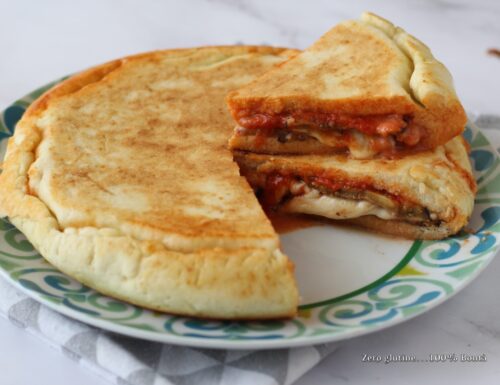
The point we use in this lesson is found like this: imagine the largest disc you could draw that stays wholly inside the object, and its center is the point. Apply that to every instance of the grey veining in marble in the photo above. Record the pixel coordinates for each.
(40, 41)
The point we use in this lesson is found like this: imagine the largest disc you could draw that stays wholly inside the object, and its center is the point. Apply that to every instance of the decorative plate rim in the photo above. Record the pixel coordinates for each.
(234, 344)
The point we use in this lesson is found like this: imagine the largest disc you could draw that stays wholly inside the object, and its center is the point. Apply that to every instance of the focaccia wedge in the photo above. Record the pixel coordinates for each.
(429, 195)
(366, 88)
(120, 177)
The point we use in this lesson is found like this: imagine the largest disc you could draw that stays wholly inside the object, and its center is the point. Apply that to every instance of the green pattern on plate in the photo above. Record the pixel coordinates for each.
(430, 272)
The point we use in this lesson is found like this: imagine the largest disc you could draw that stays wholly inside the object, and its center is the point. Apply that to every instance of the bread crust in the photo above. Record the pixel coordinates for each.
(403, 229)
(211, 283)
(438, 108)
(232, 279)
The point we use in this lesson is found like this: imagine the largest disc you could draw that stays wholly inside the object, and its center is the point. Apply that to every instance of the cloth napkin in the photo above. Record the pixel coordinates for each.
(129, 361)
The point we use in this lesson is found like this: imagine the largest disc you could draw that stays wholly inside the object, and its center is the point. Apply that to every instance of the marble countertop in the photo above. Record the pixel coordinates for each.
(43, 40)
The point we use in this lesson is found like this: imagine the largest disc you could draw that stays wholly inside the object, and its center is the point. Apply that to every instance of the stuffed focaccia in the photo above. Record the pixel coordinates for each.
(429, 195)
(366, 88)
(121, 178)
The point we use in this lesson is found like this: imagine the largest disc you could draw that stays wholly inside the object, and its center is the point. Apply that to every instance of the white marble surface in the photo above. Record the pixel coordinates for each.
(41, 41)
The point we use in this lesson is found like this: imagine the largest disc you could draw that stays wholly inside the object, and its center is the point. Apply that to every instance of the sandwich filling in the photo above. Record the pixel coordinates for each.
(336, 199)
(362, 136)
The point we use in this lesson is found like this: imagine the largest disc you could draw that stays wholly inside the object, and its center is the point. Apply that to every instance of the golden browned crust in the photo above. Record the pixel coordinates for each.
(89, 85)
(393, 73)
(215, 283)
(431, 86)
(402, 229)
(96, 173)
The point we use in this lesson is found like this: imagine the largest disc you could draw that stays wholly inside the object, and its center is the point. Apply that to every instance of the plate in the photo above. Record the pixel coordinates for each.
(352, 282)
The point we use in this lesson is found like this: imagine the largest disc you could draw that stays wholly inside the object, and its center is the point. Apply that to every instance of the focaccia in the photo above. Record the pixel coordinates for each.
(429, 195)
(121, 178)
(366, 89)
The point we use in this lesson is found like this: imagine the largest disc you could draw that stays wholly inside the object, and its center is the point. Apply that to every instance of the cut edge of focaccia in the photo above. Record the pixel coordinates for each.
(212, 282)
(413, 106)
(429, 195)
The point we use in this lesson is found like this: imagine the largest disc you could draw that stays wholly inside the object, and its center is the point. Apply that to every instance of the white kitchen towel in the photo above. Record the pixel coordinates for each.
(124, 360)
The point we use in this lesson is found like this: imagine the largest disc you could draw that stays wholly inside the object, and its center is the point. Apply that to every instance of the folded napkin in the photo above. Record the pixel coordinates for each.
(124, 360)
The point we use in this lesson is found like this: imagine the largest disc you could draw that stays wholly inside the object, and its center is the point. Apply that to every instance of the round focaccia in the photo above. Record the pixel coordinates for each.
(121, 178)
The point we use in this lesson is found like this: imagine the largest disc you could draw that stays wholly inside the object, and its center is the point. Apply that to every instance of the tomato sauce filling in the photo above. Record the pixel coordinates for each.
(278, 187)
(383, 125)
(385, 133)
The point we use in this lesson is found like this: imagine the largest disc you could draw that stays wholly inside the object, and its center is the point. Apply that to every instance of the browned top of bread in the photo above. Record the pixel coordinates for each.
(131, 145)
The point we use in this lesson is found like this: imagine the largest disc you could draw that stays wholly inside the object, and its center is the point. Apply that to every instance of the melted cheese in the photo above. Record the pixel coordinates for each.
(359, 148)
(313, 202)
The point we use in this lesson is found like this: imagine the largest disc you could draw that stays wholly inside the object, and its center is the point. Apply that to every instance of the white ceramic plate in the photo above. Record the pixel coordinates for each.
(352, 282)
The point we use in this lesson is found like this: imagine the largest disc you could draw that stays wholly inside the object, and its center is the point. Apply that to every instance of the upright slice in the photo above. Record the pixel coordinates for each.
(429, 195)
(120, 177)
(366, 87)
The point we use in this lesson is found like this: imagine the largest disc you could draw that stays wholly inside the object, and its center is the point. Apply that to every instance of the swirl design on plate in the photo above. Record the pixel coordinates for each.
(230, 330)
(384, 302)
